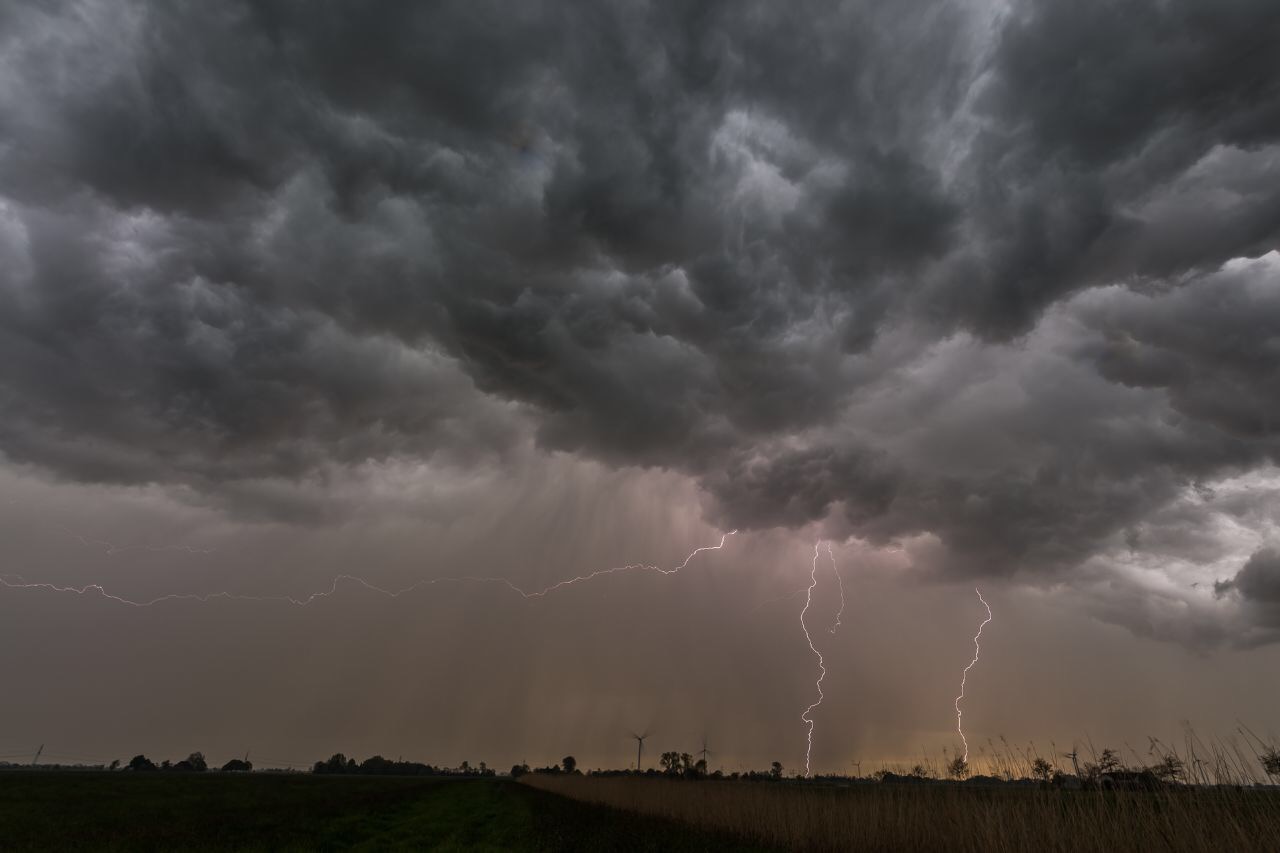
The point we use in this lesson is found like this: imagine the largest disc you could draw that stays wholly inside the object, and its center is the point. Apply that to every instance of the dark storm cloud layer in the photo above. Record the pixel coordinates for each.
(1258, 585)
(247, 241)
(1259, 580)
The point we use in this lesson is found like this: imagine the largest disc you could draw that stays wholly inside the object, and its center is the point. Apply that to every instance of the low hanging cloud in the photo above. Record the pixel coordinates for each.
(1257, 585)
(995, 278)
(1259, 580)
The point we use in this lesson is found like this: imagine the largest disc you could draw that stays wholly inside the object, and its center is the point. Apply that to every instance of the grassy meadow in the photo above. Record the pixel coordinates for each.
(275, 812)
(948, 817)
(570, 812)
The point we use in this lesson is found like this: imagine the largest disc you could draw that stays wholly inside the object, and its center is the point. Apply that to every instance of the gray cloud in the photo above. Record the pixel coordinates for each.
(1257, 587)
(940, 271)
(1099, 118)
(1258, 580)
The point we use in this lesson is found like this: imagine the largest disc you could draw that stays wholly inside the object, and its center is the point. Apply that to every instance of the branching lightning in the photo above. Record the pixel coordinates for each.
(813, 582)
(822, 665)
(840, 582)
(777, 598)
(633, 567)
(18, 582)
(977, 649)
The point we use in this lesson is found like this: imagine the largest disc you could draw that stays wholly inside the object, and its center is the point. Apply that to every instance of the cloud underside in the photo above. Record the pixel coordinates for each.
(993, 284)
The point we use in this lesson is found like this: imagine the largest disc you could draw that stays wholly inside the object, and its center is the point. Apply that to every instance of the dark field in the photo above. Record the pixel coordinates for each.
(139, 812)
(154, 811)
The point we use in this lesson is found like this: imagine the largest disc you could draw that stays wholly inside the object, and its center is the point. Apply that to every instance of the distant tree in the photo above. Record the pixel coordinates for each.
(197, 762)
(376, 764)
(678, 764)
(141, 762)
(1108, 762)
(569, 763)
(518, 770)
(700, 767)
(1271, 761)
(237, 765)
(1042, 770)
(1168, 769)
(918, 772)
(337, 763)
(166, 765)
(484, 769)
(114, 764)
(958, 768)
(775, 770)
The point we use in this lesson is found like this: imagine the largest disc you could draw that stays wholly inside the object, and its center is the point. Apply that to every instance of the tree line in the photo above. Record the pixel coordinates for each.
(339, 764)
(1106, 769)
(193, 763)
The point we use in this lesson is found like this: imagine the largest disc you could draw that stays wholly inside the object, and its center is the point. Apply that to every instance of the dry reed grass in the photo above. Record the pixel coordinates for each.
(867, 816)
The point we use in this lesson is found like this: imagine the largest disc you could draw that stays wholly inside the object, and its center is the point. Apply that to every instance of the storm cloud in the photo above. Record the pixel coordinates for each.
(992, 284)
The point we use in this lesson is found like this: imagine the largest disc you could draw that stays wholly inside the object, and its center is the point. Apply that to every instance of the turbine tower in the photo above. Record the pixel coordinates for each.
(704, 752)
(639, 747)
(1074, 754)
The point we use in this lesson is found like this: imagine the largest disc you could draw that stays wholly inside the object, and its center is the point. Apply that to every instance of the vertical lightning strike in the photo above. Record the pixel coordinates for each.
(813, 582)
(13, 581)
(977, 649)
(839, 581)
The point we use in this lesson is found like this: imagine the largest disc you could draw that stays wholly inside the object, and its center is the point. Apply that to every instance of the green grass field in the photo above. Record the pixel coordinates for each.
(153, 811)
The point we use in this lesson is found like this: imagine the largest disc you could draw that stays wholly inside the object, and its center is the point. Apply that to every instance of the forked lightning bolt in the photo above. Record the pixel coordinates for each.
(18, 582)
(977, 649)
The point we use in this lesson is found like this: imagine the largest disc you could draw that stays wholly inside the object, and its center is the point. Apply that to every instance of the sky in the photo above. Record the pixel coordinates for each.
(304, 298)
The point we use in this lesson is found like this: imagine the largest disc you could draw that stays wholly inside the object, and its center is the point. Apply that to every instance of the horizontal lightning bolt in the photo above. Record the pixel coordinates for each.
(111, 548)
(777, 598)
(18, 582)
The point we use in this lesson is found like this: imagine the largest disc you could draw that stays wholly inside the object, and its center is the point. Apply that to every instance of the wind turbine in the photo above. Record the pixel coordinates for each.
(704, 752)
(1074, 754)
(639, 747)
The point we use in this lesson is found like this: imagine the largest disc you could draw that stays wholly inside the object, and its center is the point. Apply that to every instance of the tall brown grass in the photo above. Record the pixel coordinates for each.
(868, 816)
